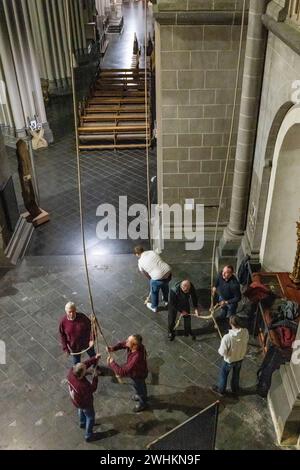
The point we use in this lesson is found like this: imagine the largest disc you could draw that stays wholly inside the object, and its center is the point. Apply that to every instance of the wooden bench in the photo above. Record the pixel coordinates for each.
(113, 117)
(124, 108)
(104, 100)
(111, 146)
(118, 93)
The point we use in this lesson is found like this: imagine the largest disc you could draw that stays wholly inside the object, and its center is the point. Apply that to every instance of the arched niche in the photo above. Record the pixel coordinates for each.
(283, 202)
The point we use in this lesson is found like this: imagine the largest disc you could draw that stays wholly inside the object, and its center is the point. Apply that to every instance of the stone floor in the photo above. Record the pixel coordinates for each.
(35, 408)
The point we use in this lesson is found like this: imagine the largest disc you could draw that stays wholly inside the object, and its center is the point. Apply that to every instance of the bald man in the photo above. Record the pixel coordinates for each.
(181, 296)
(136, 367)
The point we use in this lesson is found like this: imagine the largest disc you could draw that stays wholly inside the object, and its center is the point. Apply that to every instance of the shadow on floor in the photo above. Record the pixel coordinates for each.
(189, 401)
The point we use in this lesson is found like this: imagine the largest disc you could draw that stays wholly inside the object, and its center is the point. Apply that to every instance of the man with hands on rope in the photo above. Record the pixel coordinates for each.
(81, 392)
(136, 367)
(75, 333)
(229, 293)
(181, 295)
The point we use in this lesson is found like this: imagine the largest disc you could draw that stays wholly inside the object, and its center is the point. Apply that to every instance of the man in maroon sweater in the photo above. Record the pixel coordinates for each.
(75, 333)
(81, 393)
(136, 367)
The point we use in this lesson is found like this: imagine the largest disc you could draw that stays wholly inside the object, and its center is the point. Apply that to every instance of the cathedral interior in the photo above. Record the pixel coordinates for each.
(170, 103)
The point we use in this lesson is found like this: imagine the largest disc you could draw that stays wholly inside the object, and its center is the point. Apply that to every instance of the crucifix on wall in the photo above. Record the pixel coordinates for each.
(295, 275)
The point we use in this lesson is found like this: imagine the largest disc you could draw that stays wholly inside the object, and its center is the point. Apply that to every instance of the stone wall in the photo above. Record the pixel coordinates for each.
(197, 54)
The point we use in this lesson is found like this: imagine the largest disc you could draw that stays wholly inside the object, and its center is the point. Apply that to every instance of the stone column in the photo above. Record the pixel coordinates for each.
(20, 67)
(11, 85)
(251, 89)
(5, 174)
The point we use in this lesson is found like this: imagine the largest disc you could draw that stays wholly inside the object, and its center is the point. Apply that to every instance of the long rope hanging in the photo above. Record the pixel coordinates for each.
(213, 308)
(96, 327)
(229, 143)
(147, 131)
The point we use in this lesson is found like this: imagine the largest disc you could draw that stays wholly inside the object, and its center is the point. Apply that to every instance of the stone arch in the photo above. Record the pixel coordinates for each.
(266, 175)
(285, 166)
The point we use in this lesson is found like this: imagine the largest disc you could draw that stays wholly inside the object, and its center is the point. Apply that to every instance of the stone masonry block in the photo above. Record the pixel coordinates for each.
(175, 60)
(188, 79)
(187, 38)
(190, 140)
(175, 154)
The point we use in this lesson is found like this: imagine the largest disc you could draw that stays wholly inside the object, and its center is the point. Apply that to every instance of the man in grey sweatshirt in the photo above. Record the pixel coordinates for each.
(233, 349)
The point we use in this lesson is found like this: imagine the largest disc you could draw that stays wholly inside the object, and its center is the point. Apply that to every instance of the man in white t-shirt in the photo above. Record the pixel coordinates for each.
(158, 272)
(233, 349)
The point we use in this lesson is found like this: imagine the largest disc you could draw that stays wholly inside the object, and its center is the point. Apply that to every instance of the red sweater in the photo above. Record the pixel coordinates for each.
(81, 391)
(75, 334)
(136, 365)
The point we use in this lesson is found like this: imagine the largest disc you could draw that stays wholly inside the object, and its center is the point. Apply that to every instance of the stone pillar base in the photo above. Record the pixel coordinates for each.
(19, 241)
(284, 404)
(228, 249)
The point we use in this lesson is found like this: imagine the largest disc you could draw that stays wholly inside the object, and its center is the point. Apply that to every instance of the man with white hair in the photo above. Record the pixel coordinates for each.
(81, 392)
(75, 333)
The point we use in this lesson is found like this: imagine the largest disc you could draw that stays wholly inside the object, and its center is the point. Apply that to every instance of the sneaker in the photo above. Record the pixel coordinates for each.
(149, 305)
(135, 398)
(171, 336)
(166, 304)
(216, 390)
(139, 408)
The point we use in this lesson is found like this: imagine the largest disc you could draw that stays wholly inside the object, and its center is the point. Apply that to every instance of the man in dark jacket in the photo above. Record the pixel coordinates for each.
(75, 333)
(81, 393)
(229, 292)
(136, 367)
(182, 294)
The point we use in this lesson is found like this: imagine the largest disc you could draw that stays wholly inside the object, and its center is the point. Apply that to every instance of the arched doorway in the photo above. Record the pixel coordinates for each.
(279, 235)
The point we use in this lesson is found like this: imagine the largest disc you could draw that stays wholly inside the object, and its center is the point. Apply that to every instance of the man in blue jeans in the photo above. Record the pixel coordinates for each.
(136, 368)
(81, 392)
(233, 349)
(159, 274)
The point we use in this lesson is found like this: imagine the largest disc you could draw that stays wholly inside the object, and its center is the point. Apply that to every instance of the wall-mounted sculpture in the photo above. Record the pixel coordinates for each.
(35, 215)
(295, 275)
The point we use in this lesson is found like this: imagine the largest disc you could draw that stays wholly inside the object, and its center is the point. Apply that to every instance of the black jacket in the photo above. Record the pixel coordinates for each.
(180, 301)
